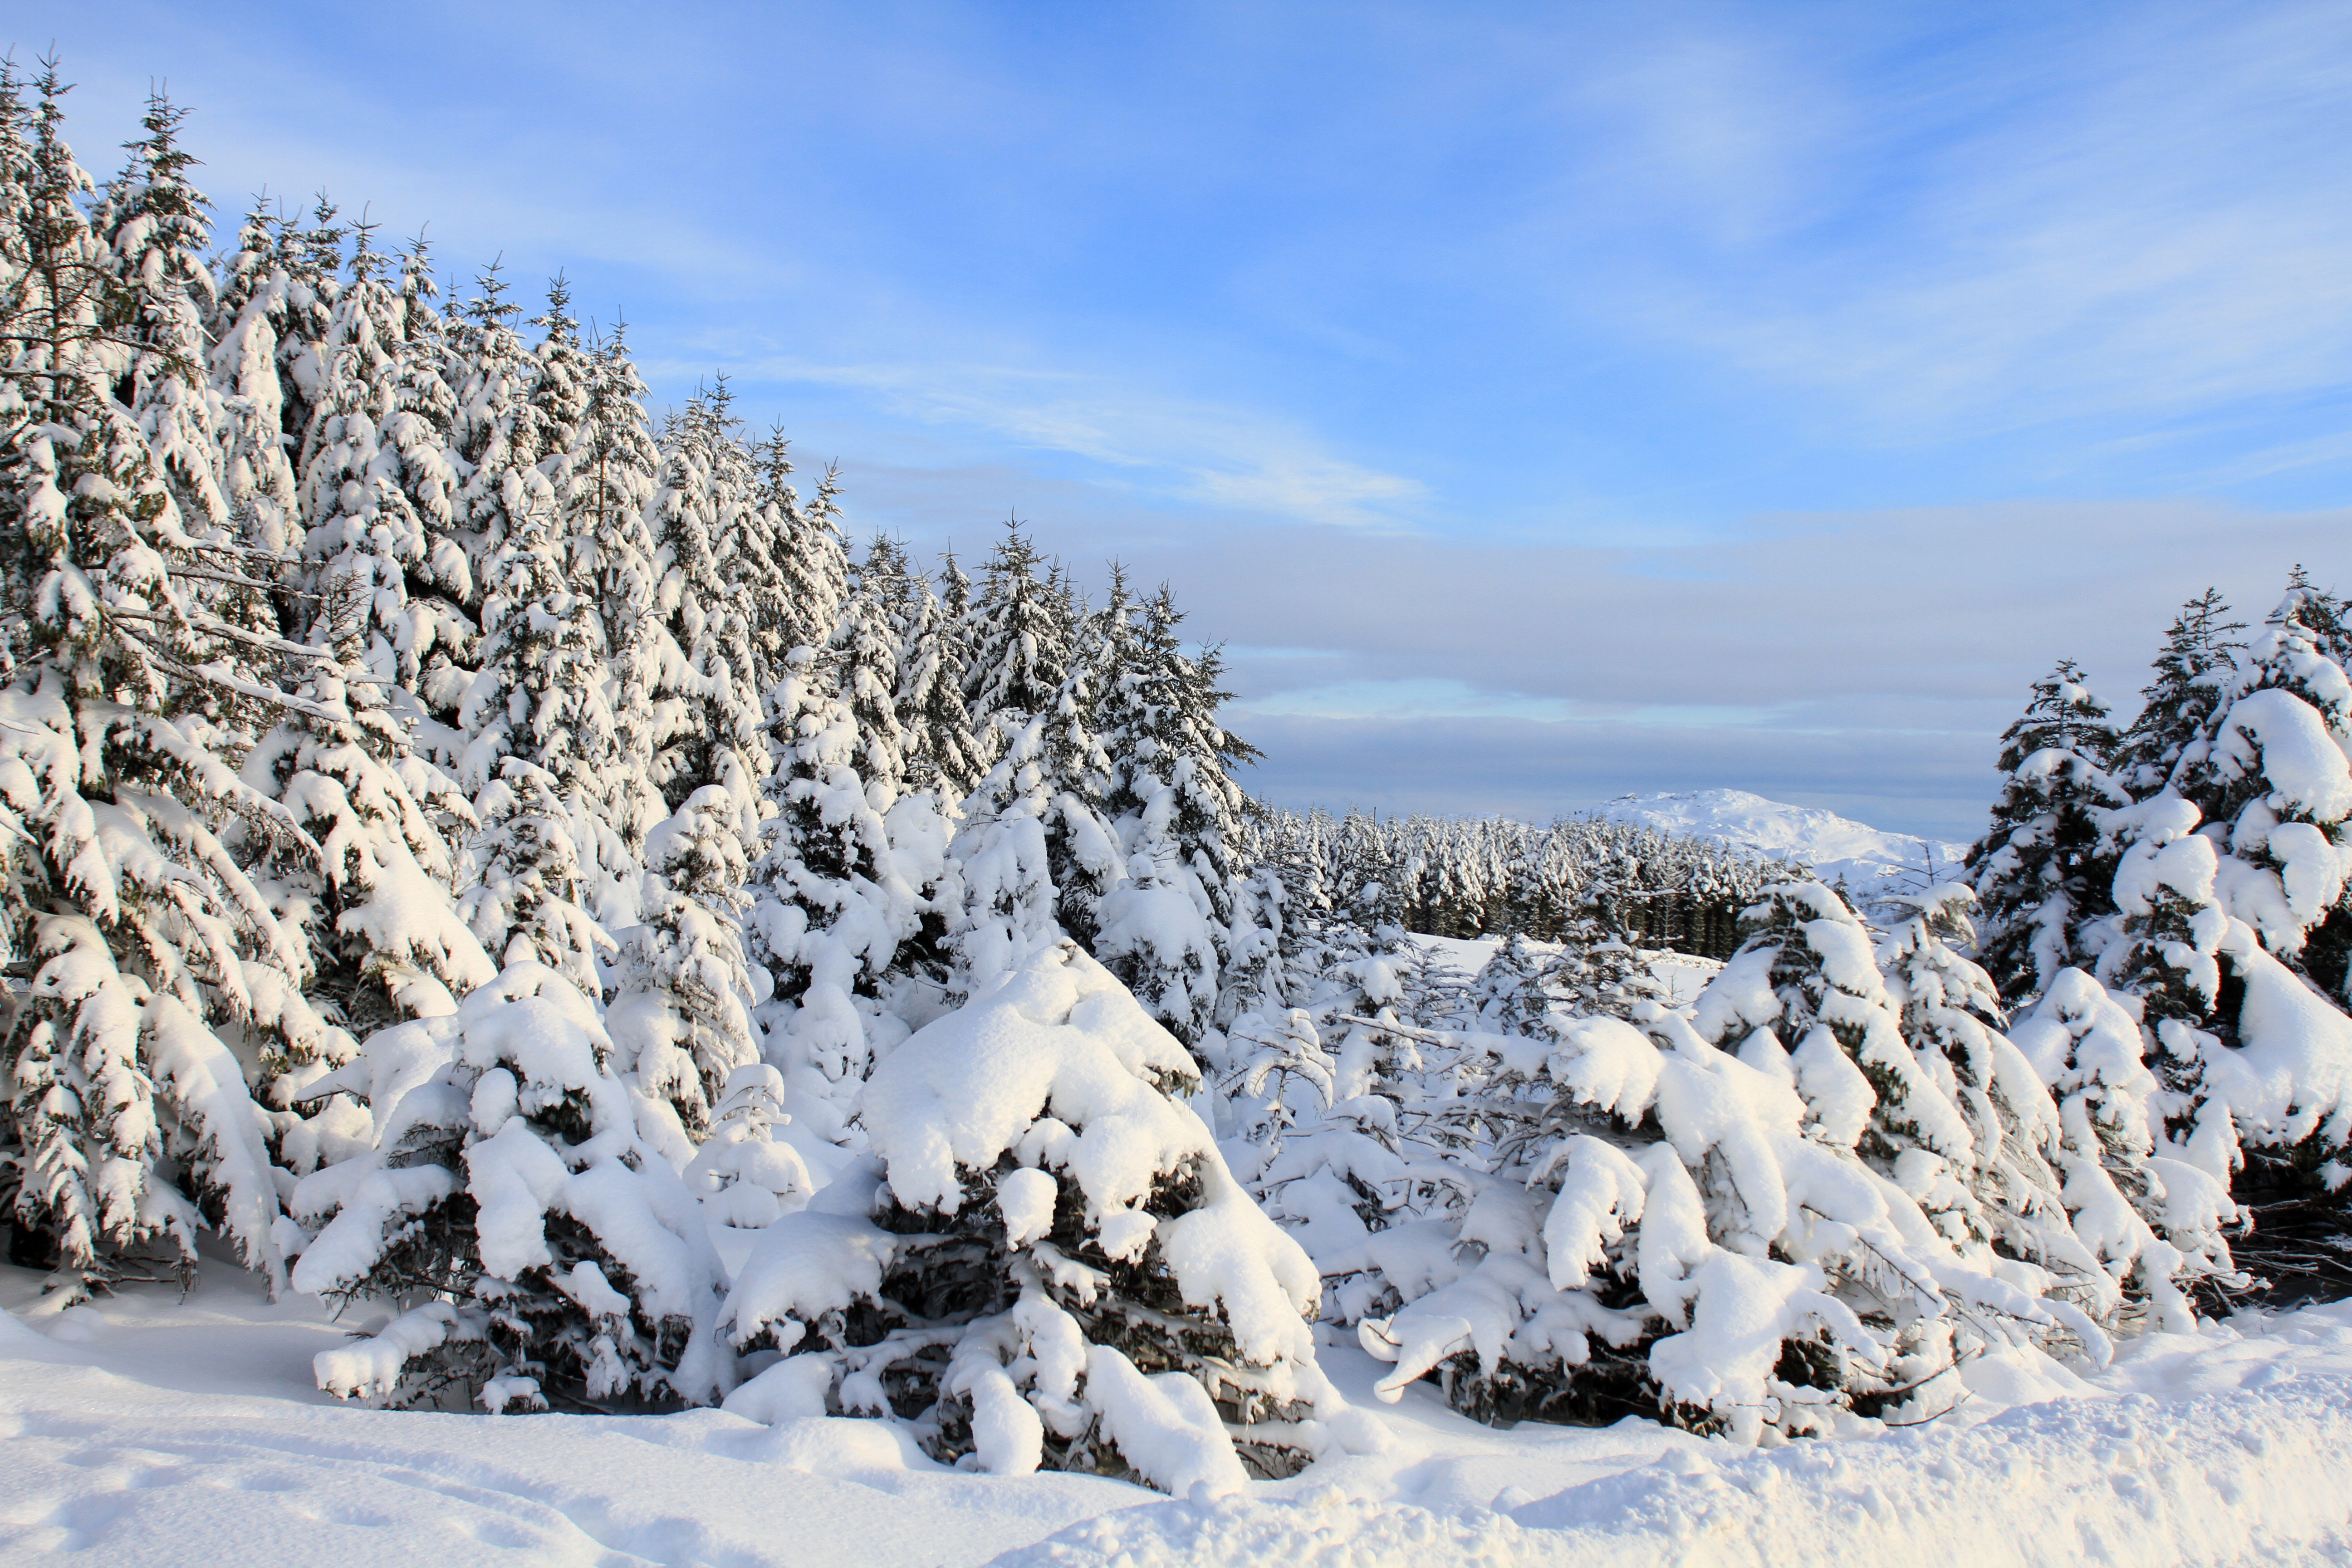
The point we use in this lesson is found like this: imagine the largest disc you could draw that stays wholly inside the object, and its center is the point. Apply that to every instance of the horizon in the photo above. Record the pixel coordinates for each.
(1539, 407)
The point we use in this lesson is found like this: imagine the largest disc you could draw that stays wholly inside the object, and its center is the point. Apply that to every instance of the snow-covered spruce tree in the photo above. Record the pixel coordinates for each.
(124, 704)
(742, 1176)
(682, 1019)
(864, 653)
(361, 524)
(1511, 992)
(1742, 1240)
(840, 887)
(371, 875)
(154, 221)
(538, 733)
(2038, 872)
(1046, 1265)
(2153, 1209)
(2270, 775)
(802, 538)
(2327, 616)
(1171, 929)
(608, 480)
(256, 469)
(543, 1252)
(1597, 972)
(2234, 933)
(703, 642)
(1036, 852)
(274, 302)
(2044, 1190)
(444, 637)
(2193, 678)
(1020, 643)
(559, 388)
(943, 752)
(542, 751)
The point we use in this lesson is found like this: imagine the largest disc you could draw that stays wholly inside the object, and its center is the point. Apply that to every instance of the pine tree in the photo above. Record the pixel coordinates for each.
(609, 479)
(810, 559)
(154, 221)
(1020, 643)
(682, 1019)
(2038, 871)
(1096, 1295)
(701, 648)
(834, 908)
(943, 752)
(2192, 674)
(124, 706)
(1172, 930)
(557, 1256)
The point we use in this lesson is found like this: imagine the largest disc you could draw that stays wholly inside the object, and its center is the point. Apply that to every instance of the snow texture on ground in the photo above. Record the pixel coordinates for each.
(1868, 859)
(146, 1430)
(1684, 975)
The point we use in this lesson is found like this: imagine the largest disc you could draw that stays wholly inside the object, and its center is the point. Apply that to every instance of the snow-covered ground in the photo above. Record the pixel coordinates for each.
(148, 1430)
(1684, 975)
(1833, 846)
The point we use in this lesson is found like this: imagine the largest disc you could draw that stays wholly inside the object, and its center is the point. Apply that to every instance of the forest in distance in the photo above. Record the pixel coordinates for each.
(506, 862)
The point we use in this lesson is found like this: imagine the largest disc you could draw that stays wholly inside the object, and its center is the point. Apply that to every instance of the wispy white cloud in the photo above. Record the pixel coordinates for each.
(2129, 212)
(1176, 448)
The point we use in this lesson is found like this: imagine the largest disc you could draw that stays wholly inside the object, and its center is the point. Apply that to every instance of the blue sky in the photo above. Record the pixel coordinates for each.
(1543, 401)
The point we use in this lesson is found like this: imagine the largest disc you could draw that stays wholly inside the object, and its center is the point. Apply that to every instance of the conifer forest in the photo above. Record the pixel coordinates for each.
(515, 879)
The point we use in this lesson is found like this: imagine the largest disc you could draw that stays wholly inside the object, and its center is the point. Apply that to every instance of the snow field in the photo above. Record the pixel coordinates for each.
(146, 1430)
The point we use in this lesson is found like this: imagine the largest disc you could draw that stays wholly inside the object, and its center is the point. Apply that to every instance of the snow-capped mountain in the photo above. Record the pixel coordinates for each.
(1866, 857)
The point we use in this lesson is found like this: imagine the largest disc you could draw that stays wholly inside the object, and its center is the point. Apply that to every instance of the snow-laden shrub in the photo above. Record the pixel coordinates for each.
(1775, 1208)
(1045, 1263)
(507, 1196)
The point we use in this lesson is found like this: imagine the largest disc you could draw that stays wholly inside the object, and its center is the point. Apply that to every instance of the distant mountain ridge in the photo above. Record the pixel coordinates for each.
(1869, 858)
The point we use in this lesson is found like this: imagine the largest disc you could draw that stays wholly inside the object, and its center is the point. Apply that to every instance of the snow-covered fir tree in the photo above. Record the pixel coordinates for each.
(943, 752)
(682, 1018)
(842, 883)
(124, 706)
(1062, 1271)
(802, 538)
(1019, 641)
(701, 649)
(1171, 929)
(607, 482)
(558, 1257)
(2040, 877)
(2192, 674)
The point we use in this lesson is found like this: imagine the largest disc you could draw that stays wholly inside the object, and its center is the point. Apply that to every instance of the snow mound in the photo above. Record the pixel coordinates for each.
(1867, 857)
(148, 1430)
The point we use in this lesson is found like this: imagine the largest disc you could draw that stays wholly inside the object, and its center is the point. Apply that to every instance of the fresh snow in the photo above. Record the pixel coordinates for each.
(1682, 975)
(1867, 857)
(143, 1429)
